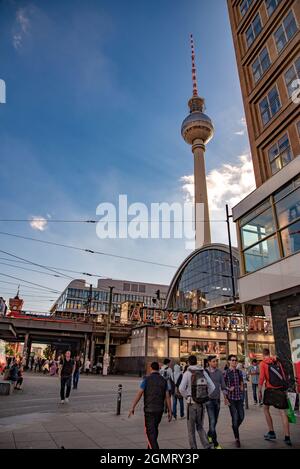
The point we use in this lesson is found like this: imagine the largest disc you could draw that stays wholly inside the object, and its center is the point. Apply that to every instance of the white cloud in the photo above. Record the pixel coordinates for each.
(228, 184)
(38, 223)
(21, 27)
(243, 123)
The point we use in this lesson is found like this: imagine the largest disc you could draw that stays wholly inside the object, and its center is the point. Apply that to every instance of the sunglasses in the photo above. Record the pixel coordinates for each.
(233, 360)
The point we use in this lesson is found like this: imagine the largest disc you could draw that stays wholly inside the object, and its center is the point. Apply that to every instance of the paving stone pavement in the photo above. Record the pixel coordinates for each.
(35, 419)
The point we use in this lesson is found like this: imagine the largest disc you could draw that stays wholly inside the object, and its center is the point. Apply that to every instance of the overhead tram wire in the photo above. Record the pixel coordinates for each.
(38, 289)
(36, 264)
(91, 251)
(31, 283)
(60, 268)
(32, 270)
(92, 221)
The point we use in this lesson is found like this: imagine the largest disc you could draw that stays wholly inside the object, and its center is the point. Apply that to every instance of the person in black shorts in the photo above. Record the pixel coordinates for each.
(155, 390)
(66, 370)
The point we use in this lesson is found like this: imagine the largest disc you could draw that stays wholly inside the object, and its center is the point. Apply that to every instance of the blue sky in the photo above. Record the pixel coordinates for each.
(96, 93)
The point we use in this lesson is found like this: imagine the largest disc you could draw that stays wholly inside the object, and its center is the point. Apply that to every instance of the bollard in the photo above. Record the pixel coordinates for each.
(119, 399)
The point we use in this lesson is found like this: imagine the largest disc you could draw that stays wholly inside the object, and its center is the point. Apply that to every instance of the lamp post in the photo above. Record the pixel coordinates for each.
(234, 298)
(107, 334)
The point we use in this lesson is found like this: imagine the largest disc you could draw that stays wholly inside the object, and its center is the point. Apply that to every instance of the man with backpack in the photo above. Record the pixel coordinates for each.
(154, 389)
(234, 381)
(273, 376)
(196, 386)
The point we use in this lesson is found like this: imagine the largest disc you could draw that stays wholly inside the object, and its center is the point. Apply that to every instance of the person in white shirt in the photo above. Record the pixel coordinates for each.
(87, 367)
(196, 387)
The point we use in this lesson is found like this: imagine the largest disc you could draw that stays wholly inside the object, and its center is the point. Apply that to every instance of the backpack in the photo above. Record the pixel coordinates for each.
(199, 387)
(276, 376)
(171, 385)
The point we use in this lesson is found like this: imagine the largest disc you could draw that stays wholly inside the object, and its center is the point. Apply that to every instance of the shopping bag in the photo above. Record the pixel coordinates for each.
(290, 413)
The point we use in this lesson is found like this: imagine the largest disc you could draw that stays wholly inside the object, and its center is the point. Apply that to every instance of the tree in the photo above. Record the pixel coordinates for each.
(48, 352)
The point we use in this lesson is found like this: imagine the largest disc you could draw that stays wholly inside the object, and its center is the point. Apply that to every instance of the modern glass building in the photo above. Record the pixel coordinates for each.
(204, 279)
(73, 300)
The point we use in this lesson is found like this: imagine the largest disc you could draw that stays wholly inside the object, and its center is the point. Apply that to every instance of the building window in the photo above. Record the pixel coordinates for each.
(134, 287)
(262, 254)
(126, 286)
(244, 6)
(253, 30)
(271, 6)
(258, 228)
(288, 208)
(261, 64)
(142, 288)
(291, 239)
(270, 105)
(291, 75)
(280, 154)
(285, 32)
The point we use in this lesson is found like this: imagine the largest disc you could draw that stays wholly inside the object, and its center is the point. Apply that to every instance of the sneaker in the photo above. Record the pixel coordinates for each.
(62, 402)
(255, 403)
(287, 441)
(237, 443)
(67, 400)
(218, 447)
(209, 439)
(270, 436)
(183, 417)
(261, 404)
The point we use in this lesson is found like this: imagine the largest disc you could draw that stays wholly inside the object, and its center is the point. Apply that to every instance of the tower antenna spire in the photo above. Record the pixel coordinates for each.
(194, 75)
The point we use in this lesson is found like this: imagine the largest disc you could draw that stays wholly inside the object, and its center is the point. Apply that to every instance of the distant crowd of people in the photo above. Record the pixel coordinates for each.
(201, 388)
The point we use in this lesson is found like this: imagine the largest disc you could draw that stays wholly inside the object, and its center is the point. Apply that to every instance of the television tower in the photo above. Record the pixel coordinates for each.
(197, 130)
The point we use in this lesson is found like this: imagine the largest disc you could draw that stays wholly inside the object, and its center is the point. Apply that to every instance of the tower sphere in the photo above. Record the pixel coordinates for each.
(197, 125)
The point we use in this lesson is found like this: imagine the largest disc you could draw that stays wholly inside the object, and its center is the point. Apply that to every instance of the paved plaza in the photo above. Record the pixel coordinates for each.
(34, 418)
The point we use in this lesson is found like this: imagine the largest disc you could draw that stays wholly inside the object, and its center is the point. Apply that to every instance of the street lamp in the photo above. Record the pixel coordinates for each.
(234, 295)
(107, 334)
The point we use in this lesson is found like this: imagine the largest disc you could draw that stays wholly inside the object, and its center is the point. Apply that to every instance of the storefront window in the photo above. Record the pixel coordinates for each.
(202, 347)
(261, 254)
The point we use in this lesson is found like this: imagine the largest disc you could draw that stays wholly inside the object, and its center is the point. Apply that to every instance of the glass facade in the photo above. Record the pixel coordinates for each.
(75, 299)
(205, 281)
(272, 230)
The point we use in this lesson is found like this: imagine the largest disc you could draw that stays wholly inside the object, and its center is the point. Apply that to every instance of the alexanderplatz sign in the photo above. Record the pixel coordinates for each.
(219, 322)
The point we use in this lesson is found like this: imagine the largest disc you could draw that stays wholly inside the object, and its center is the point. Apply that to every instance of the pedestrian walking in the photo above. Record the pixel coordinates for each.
(253, 372)
(66, 370)
(20, 378)
(13, 372)
(78, 365)
(155, 390)
(53, 368)
(87, 366)
(214, 403)
(167, 373)
(196, 387)
(272, 375)
(177, 397)
(235, 391)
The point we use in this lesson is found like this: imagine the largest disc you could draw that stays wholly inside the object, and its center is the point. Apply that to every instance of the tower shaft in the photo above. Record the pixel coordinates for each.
(202, 224)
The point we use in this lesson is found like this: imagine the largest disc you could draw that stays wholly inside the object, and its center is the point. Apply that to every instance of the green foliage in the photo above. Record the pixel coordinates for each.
(48, 352)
